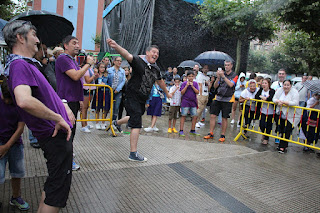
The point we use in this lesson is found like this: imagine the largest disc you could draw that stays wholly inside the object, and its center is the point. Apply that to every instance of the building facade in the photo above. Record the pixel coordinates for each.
(85, 15)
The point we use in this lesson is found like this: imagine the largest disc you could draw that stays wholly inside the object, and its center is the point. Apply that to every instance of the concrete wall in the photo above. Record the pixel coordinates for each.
(85, 15)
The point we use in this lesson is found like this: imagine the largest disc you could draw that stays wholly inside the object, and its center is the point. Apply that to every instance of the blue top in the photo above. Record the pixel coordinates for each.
(122, 77)
(155, 92)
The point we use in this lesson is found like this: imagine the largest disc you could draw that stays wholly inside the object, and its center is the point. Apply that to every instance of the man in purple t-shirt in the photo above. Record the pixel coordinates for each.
(42, 110)
(69, 74)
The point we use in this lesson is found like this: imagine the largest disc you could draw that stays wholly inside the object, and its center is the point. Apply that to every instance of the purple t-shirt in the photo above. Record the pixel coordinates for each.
(9, 119)
(23, 73)
(67, 88)
(189, 99)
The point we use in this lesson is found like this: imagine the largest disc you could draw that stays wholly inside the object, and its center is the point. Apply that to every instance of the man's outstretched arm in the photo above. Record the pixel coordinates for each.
(123, 52)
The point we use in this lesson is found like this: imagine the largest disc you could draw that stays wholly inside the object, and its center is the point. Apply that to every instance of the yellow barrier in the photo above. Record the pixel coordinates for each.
(297, 109)
(109, 120)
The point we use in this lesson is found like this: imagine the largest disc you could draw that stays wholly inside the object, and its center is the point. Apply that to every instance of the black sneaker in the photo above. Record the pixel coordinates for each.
(116, 126)
(137, 157)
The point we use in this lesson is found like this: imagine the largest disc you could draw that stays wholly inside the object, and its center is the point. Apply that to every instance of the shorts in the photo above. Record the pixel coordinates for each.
(59, 155)
(174, 112)
(135, 110)
(86, 92)
(155, 107)
(185, 110)
(217, 106)
(15, 158)
(236, 99)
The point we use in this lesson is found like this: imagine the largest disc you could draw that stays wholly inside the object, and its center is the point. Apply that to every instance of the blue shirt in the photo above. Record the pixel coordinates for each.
(121, 75)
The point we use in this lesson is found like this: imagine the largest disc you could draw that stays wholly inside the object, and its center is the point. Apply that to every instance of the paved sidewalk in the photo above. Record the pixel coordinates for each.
(181, 175)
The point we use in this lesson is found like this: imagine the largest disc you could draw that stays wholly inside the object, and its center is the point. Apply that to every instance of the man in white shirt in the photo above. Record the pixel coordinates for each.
(203, 81)
(282, 75)
(303, 91)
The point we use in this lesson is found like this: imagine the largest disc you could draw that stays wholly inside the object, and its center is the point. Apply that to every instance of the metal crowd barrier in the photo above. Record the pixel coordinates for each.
(106, 119)
(298, 114)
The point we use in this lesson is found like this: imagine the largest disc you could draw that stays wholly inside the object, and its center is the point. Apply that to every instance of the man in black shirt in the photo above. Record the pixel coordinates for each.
(145, 73)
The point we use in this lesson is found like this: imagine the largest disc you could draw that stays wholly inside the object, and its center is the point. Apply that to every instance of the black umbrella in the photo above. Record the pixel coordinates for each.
(189, 64)
(2, 24)
(213, 58)
(51, 27)
(313, 85)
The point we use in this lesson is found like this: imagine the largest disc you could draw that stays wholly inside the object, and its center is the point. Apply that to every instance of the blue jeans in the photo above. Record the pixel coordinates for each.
(116, 103)
(32, 139)
(16, 162)
(185, 110)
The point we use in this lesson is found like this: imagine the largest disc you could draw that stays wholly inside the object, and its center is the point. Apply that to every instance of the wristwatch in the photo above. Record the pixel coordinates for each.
(223, 78)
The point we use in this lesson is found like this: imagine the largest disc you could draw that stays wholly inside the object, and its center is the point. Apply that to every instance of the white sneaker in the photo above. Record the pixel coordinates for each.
(238, 125)
(198, 125)
(103, 126)
(85, 129)
(232, 121)
(149, 129)
(201, 124)
(98, 126)
(90, 126)
(155, 129)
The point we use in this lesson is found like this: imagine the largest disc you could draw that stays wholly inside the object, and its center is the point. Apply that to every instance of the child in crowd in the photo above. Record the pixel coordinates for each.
(250, 112)
(154, 105)
(101, 100)
(174, 105)
(11, 147)
(189, 90)
(310, 118)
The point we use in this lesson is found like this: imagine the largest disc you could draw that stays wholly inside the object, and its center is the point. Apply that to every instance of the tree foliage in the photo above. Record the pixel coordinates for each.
(301, 15)
(9, 9)
(258, 61)
(244, 20)
(300, 46)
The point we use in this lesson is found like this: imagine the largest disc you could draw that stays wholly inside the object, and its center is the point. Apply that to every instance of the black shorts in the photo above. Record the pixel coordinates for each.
(86, 92)
(217, 106)
(58, 153)
(135, 110)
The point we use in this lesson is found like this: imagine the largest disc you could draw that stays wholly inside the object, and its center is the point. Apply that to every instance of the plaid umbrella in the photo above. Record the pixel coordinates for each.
(313, 85)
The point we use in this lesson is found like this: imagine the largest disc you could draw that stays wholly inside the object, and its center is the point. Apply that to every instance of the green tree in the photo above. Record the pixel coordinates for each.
(9, 9)
(300, 46)
(301, 15)
(258, 61)
(244, 20)
(279, 59)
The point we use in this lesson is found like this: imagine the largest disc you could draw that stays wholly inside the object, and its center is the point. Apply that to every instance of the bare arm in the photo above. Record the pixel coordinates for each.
(162, 85)
(123, 52)
(77, 74)
(33, 106)
(184, 89)
(16, 135)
